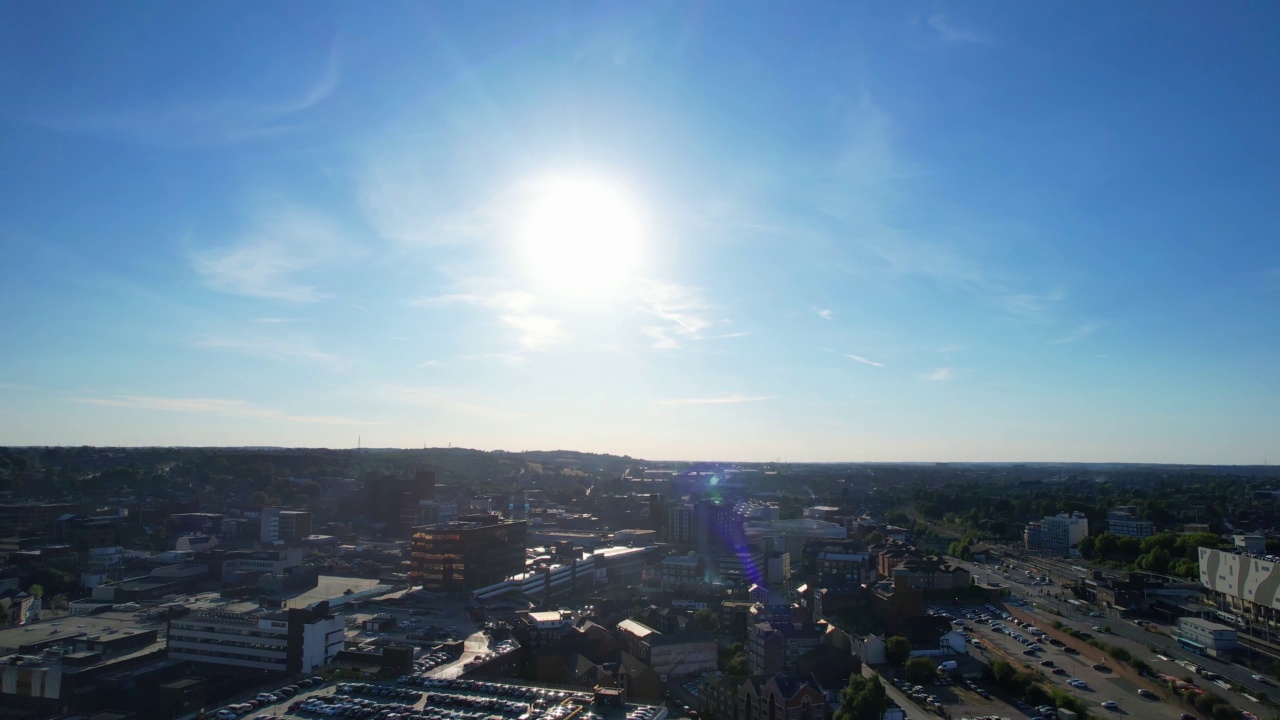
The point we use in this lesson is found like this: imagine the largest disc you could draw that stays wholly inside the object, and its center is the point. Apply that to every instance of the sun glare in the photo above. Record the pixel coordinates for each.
(581, 235)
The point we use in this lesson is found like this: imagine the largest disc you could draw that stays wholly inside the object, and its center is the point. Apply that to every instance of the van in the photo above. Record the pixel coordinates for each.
(948, 666)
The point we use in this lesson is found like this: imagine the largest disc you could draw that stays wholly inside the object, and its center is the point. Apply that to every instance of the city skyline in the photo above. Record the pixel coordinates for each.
(914, 232)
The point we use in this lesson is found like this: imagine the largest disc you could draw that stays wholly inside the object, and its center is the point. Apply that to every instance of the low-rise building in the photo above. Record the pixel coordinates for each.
(1124, 521)
(296, 640)
(1216, 638)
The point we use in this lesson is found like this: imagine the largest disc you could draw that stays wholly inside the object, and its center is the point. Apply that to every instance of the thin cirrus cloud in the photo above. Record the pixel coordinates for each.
(940, 375)
(284, 349)
(867, 177)
(855, 358)
(268, 260)
(514, 309)
(951, 33)
(1080, 332)
(682, 312)
(824, 313)
(228, 408)
(721, 400)
(199, 123)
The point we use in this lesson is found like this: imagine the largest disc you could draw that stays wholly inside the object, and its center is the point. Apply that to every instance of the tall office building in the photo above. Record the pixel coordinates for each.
(388, 496)
(471, 552)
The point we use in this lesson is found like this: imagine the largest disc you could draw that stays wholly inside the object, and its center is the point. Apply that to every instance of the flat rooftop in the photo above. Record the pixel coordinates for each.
(334, 589)
(109, 624)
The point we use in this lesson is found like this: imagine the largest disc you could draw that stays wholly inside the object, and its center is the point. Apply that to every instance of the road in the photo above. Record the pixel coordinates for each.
(1138, 641)
(1102, 686)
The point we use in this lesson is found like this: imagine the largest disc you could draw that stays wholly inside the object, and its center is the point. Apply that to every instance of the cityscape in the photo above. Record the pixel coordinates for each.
(461, 584)
(640, 360)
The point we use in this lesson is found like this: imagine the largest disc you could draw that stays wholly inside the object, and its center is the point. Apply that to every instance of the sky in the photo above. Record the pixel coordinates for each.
(915, 231)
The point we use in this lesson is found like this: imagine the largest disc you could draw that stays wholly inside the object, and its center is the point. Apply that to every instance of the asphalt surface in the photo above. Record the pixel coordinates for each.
(1124, 633)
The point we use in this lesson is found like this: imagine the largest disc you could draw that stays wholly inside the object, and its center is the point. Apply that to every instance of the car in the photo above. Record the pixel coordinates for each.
(1096, 628)
(1070, 650)
(1029, 651)
(1101, 668)
(1095, 613)
(1110, 704)
(1143, 692)
(1046, 663)
(1059, 671)
(1186, 716)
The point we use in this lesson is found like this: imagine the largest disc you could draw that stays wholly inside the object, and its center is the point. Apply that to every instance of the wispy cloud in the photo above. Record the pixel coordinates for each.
(727, 336)
(266, 261)
(228, 408)
(855, 358)
(722, 400)
(948, 349)
(195, 123)
(449, 400)
(287, 349)
(1028, 305)
(684, 314)
(515, 309)
(824, 313)
(953, 34)
(940, 375)
(1080, 332)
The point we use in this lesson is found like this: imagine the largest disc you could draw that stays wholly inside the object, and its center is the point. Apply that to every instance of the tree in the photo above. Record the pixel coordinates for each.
(920, 670)
(874, 538)
(36, 590)
(897, 650)
(862, 699)
(258, 499)
(59, 602)
(707, 620)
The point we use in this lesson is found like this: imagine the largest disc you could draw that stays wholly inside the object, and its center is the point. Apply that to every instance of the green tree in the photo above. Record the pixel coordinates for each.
(897, 650)
(873, 538)
(36, 590)
(920, 670)
(59, 603)
(862, 699)
(1087, 547)
(707, 620)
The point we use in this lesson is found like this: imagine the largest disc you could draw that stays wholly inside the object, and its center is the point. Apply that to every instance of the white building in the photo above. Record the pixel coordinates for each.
(1059, 534)
(270, 528)
(1216, 637)
(295, 641)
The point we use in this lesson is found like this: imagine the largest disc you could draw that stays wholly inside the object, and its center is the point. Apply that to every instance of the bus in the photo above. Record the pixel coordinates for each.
(1192, 646)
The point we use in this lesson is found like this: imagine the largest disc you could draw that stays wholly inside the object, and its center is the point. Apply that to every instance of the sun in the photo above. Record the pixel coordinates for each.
(580, 236)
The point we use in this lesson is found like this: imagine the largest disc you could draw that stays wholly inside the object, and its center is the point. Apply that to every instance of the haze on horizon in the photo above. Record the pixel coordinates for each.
(903, 232)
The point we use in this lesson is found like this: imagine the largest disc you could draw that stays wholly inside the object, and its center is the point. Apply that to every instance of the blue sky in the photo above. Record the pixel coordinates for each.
(880, 231)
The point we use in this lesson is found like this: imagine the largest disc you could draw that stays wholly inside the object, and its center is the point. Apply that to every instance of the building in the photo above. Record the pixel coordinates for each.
(680, 572)
(269, 530)
(1124, 521)
(291, 641)
(387, 496)
(294, 526)
(743, 565)
(471, 552)
(1243, 585)
(844, 569)
(1056, 534)
(681, 654)
(1217, 638)
(778, 646)
(540, 629)
(1250, 543)
(782, 697)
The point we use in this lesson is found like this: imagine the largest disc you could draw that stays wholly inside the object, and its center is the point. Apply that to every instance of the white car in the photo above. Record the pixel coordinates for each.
(1111, 704)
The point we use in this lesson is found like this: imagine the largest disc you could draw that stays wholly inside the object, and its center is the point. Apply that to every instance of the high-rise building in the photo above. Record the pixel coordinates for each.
(294, 525)
(270, 528)
(471, 552)
(388, 496)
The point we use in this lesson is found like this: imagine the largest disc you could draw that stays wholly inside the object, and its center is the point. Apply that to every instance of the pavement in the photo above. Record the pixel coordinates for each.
(1124, 633)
